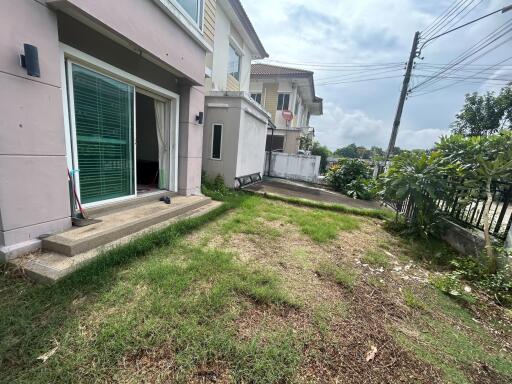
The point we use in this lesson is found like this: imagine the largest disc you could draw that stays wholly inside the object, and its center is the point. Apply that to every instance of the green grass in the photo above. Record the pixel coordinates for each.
(343, 276)
(376, 259)
(255, 214)
(411, 300)
(452, 345)
(180, 297)
(376, 213)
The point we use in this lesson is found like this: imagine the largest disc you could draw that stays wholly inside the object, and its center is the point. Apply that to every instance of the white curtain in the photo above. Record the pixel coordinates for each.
(163, 135)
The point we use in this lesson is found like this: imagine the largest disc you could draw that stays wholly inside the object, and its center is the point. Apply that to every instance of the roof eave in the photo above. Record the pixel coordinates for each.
(249, 29)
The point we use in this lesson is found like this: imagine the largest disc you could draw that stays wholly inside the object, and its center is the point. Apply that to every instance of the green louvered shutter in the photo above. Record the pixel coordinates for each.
(104, 135)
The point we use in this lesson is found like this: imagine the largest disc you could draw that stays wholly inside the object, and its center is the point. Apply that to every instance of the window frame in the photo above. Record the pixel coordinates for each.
(283, 94)
(256, 94)
(239, 55)
(213, 141)
(200, 13)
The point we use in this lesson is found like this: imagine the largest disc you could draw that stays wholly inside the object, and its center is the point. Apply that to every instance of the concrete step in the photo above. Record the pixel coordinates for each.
(48, 267)
(120, 223)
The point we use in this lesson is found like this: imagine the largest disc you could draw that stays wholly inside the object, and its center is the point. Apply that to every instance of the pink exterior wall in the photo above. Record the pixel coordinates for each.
(190, 148)
(146, 25)
(34, 198)
(33, 183)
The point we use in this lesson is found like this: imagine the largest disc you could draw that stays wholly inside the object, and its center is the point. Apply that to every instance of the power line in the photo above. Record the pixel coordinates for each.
(480, 45)
(463, 79)
(448, 26)
(438, 18)
(359, 74)
(443, 22)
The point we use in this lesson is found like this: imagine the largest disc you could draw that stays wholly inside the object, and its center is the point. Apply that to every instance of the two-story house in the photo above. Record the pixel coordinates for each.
(101, 102)
(235, 125)
(288, 94)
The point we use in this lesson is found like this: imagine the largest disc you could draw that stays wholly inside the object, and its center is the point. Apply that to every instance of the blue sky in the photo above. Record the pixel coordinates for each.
(375, 31)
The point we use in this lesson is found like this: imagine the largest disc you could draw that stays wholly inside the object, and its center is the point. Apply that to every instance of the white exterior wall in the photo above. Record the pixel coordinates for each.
(251, 139)
(223, 38)
(294, 167)
(220, 51)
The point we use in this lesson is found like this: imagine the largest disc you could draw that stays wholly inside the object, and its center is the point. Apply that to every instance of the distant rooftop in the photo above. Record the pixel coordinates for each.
(274, 70)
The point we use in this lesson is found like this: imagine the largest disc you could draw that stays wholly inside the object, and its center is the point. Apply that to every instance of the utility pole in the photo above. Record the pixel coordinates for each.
(403, 94)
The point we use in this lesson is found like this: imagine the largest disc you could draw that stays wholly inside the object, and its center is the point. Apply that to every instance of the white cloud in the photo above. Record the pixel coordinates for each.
(372, 31)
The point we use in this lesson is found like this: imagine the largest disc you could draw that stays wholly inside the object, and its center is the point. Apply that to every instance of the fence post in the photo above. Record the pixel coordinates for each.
(508, 240)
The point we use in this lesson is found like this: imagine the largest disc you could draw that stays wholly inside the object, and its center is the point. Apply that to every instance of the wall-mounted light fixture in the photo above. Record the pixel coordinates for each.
(30, 60)
(199, 117)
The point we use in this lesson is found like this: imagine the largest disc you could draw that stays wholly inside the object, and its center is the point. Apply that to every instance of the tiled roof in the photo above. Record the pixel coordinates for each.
(274, 70)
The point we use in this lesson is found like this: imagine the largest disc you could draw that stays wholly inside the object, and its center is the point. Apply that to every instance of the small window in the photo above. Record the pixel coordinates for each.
(256, 97)
(234, 63)
(283, 101)
(216, 141)
(194, 9)
(276, 143)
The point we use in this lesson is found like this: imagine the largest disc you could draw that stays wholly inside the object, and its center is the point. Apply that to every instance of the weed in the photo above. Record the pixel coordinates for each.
(411, 300)
(342, 276)
(376, 259)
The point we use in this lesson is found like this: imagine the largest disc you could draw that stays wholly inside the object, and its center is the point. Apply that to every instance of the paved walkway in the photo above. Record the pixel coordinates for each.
(307, 191)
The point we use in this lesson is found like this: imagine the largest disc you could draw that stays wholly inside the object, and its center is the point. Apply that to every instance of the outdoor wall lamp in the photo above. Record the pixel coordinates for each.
(30, 60)
(199, 117)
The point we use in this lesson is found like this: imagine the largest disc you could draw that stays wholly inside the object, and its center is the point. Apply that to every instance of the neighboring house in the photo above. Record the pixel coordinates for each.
(235, 125)
(117, 103)
(286, 93)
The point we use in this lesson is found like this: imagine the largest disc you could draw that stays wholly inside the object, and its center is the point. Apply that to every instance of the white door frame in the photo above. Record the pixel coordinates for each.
(73, 55)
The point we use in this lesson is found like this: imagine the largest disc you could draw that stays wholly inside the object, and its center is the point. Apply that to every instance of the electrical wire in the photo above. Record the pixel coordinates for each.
(445, 20)
(468, 78)
(479, 46)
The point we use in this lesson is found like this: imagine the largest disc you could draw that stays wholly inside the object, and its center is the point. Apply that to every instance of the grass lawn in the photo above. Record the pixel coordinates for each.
(258, 291)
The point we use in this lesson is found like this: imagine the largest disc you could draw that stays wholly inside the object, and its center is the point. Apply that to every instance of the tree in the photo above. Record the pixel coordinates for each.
(350, 151)
(305, 142)
(323, 152)
(484, 115)
(480, 160)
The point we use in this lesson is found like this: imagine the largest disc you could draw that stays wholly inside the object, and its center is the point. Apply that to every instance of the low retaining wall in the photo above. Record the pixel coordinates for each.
(293, 167)
(467, 241)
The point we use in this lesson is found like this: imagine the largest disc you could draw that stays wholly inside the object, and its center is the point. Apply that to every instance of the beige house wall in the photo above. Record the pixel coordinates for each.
(269, 93)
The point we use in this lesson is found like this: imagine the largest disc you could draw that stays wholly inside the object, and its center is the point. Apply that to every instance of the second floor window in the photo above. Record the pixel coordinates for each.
(256, 97)
(283, 101)
(234, 63)
(193, 8)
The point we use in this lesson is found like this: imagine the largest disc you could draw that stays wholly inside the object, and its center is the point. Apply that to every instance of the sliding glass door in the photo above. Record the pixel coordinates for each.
(103, 111)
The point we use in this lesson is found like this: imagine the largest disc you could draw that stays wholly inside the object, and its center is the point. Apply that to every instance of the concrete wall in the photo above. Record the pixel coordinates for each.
(33, 179)
(294, 167)
(251, 139)
(243, 136)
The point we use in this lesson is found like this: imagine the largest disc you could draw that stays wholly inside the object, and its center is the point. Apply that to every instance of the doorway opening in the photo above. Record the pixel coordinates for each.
(147, 145)
(152, 148)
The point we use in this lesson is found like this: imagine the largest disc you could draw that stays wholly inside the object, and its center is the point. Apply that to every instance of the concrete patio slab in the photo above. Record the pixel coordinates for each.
(118, 224)
(49, 267)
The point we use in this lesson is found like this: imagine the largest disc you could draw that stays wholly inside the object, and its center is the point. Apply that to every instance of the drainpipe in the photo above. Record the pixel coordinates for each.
(270, 150)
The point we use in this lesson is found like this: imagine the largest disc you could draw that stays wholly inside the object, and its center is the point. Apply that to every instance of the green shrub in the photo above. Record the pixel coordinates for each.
(415, 178)
(353, 178)
(216, 189)
(498, 285)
